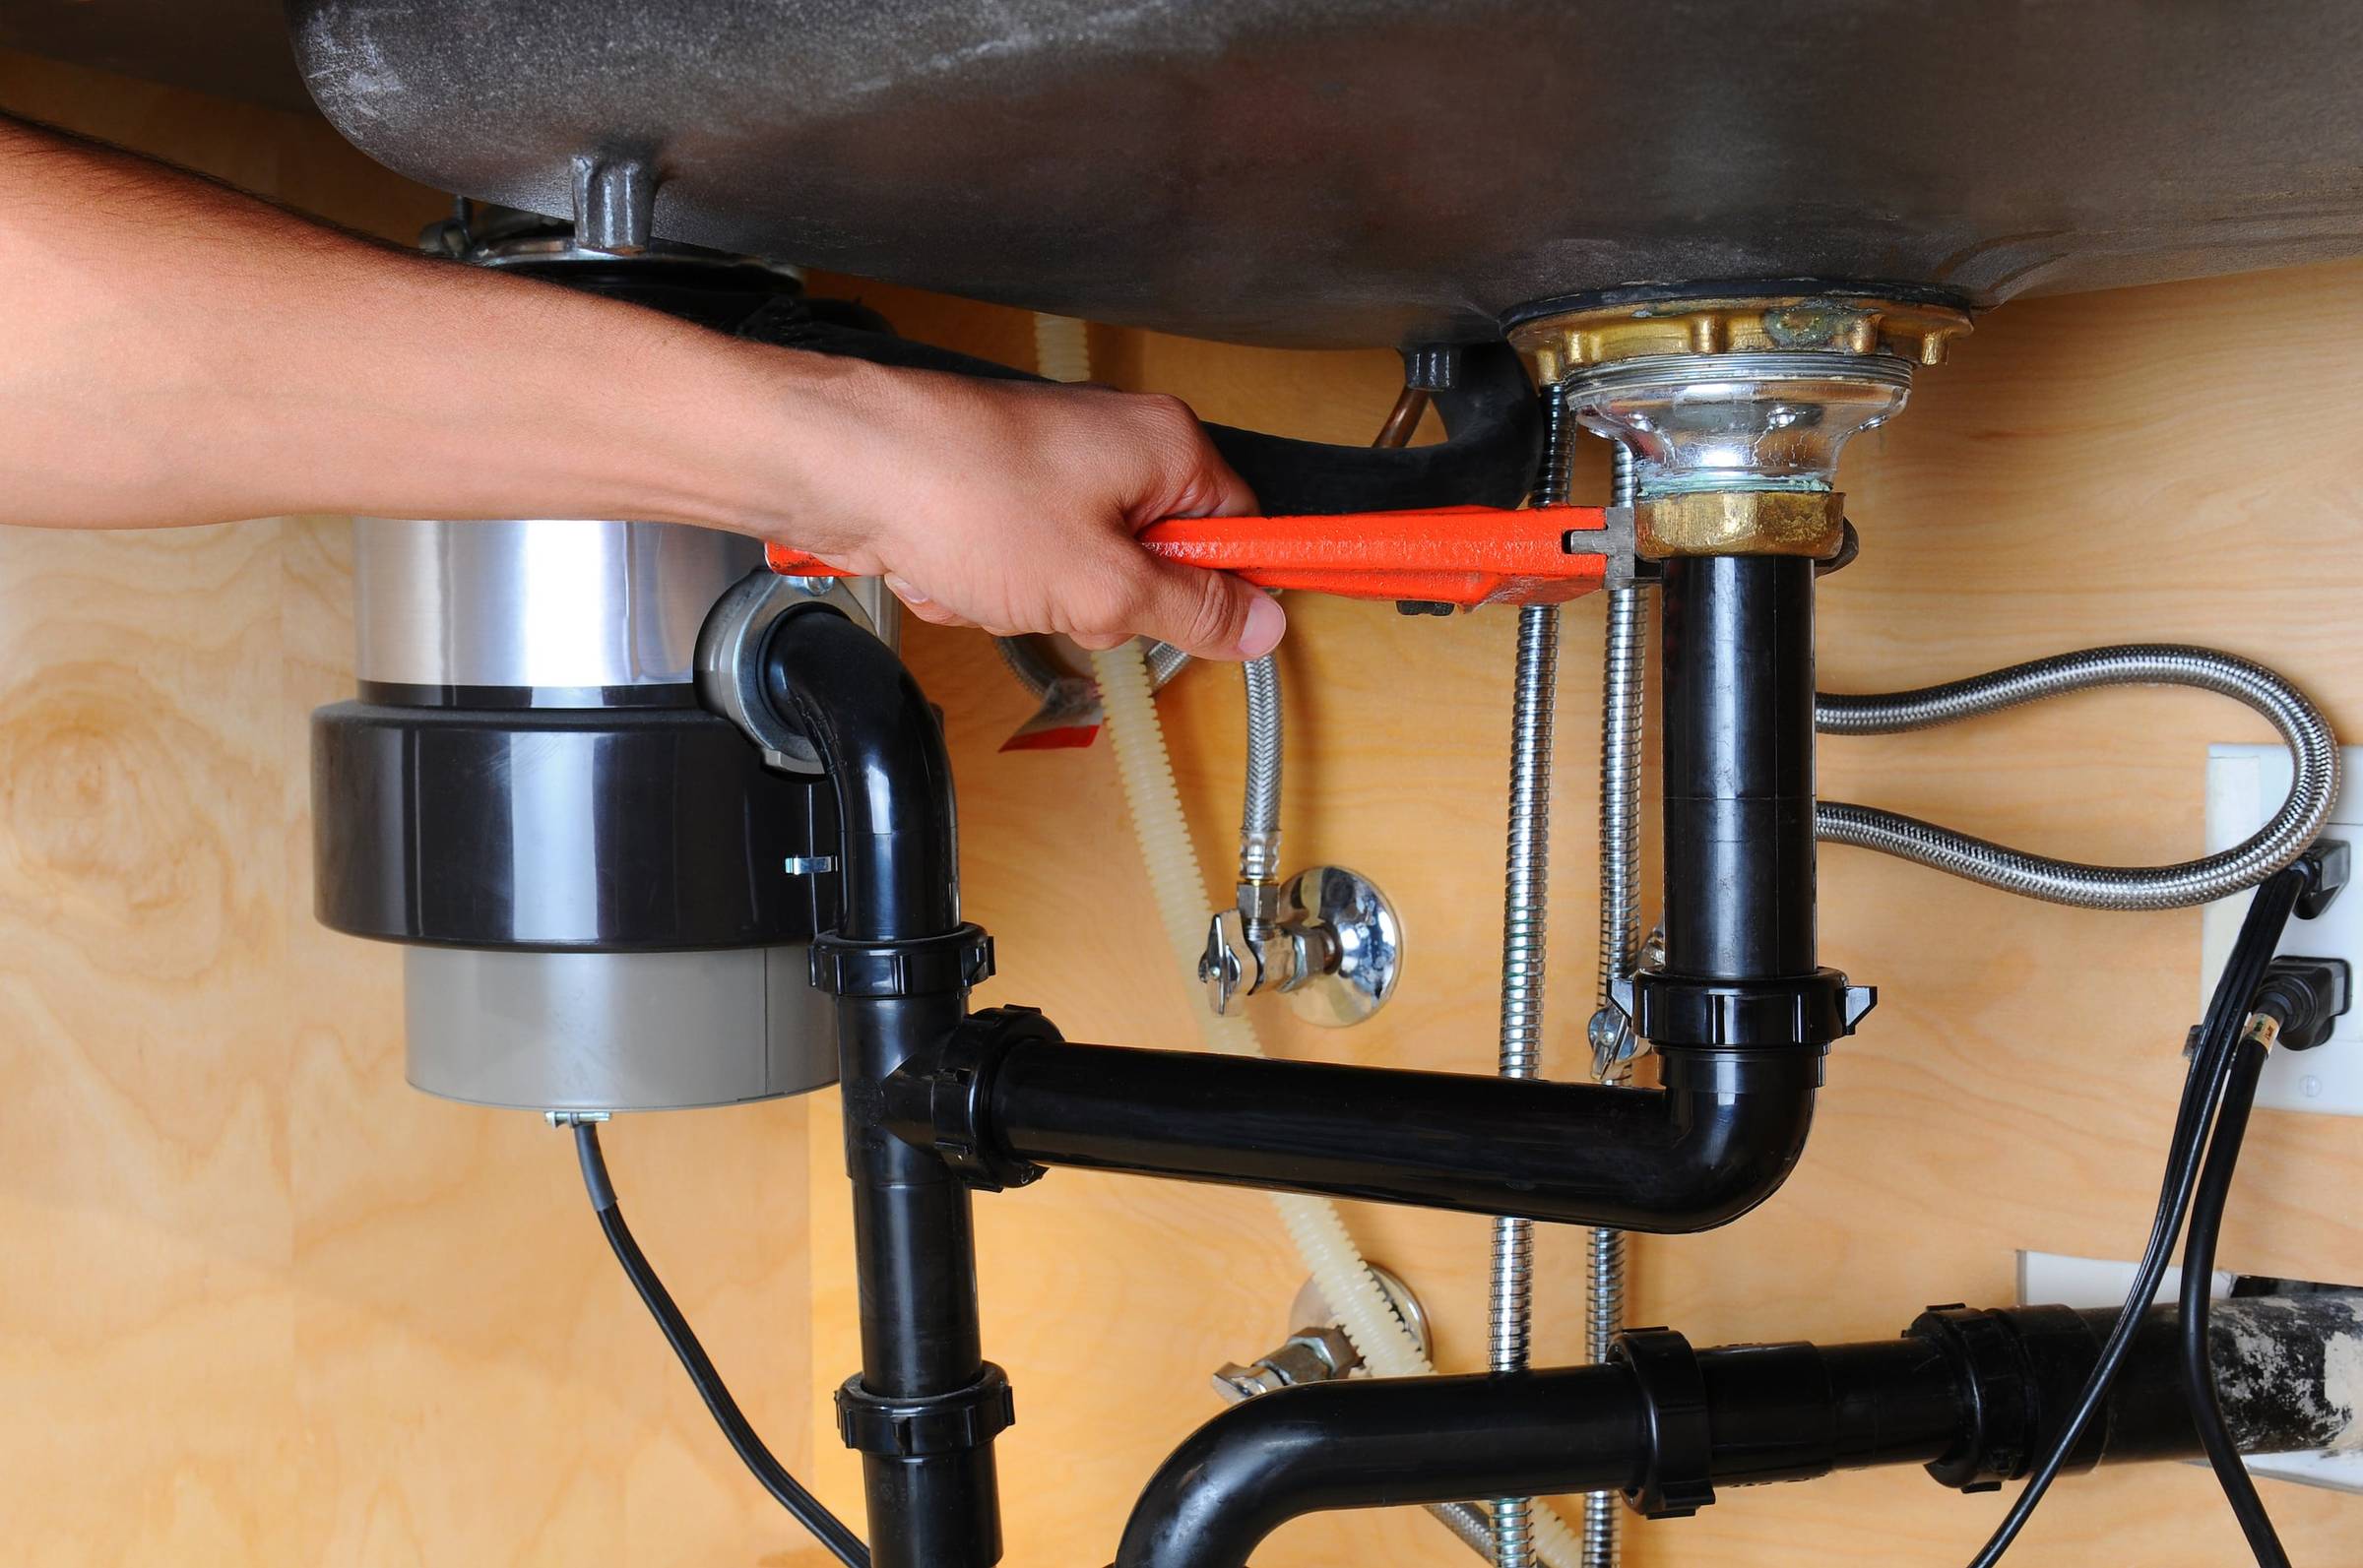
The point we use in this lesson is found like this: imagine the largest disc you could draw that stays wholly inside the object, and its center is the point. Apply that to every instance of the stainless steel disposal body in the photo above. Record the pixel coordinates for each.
(592, 621)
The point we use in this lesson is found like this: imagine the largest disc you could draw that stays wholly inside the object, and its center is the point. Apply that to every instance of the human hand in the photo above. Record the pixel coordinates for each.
(1014, 506)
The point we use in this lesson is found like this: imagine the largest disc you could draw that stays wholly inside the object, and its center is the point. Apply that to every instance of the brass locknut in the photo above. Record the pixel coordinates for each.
(1558, 344)
(1810, 522)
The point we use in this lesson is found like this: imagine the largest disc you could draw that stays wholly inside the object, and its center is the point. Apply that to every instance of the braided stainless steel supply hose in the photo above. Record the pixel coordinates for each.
(2313, 790)
(1260, 817)
(1524, 908)
(1624, 670)
(1471, 1523)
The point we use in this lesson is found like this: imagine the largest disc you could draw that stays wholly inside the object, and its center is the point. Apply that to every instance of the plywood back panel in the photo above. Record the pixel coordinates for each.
(260, 1302)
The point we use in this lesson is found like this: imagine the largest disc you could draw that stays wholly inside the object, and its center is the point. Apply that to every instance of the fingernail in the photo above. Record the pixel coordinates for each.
(1266, 620)
(904, 591)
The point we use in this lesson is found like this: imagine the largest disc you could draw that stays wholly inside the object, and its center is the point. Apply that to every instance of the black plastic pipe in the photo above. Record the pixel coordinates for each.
(1774, 1412)
(1972, 1394)
(1490, 415)
(1699, 1153)
(898, 859)
(1740, 977)
(902, 991)
(1369, 1444)
(1737, 678)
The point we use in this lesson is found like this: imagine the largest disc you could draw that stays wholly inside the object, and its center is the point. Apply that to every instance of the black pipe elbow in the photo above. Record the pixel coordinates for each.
(1736, 1124)
(883, 747)
(1009, 1097)
(1730, 1154)
(1379, 1443)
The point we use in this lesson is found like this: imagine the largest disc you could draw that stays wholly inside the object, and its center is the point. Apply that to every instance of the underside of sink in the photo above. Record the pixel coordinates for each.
(1362, 172)
(1355, 171)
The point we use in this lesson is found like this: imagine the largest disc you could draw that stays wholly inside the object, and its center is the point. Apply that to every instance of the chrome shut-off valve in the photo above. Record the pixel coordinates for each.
(1326, 938)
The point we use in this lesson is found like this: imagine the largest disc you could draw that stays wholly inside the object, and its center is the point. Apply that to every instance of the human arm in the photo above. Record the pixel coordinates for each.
(176, 352)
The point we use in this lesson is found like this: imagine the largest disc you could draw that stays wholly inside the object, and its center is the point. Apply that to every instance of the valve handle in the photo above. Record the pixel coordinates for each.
(1461, 555)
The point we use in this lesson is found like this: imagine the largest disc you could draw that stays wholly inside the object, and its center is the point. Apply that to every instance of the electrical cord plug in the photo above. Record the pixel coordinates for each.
(2306, 997)
(2331, 864)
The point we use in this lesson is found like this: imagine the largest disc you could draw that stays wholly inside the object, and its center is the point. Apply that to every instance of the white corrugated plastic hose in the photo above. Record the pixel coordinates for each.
(1061, 347)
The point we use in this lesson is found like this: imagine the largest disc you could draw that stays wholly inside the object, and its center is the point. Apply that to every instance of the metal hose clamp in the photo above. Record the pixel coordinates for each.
(730, 656)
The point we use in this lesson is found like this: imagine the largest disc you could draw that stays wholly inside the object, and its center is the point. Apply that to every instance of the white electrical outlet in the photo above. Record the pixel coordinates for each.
(2054, 1279)
(2246, 785)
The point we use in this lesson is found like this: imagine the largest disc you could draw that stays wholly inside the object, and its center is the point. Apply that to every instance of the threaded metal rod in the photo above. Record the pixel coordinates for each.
(1625, 665)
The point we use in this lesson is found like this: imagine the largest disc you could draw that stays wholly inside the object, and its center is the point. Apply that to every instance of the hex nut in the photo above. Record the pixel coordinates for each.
(1329, 1343)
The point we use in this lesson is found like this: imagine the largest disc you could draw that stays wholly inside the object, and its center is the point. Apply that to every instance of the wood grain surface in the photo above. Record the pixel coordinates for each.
(264, 1304)
(260, 1302)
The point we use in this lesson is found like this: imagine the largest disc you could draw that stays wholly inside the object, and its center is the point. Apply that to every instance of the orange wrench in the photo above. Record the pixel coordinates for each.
(1460, 555)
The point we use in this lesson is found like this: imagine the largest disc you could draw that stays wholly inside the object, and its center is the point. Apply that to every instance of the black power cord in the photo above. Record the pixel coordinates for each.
(2293, 1008)
(2212, 1059)
(2199, 1267)
(807, 1509)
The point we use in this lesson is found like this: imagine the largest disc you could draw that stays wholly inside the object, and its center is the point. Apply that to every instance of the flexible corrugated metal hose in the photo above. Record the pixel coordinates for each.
(1525, 907)
(1625, 664)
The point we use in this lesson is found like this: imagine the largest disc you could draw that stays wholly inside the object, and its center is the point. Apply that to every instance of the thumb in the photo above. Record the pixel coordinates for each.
(1206, 615)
